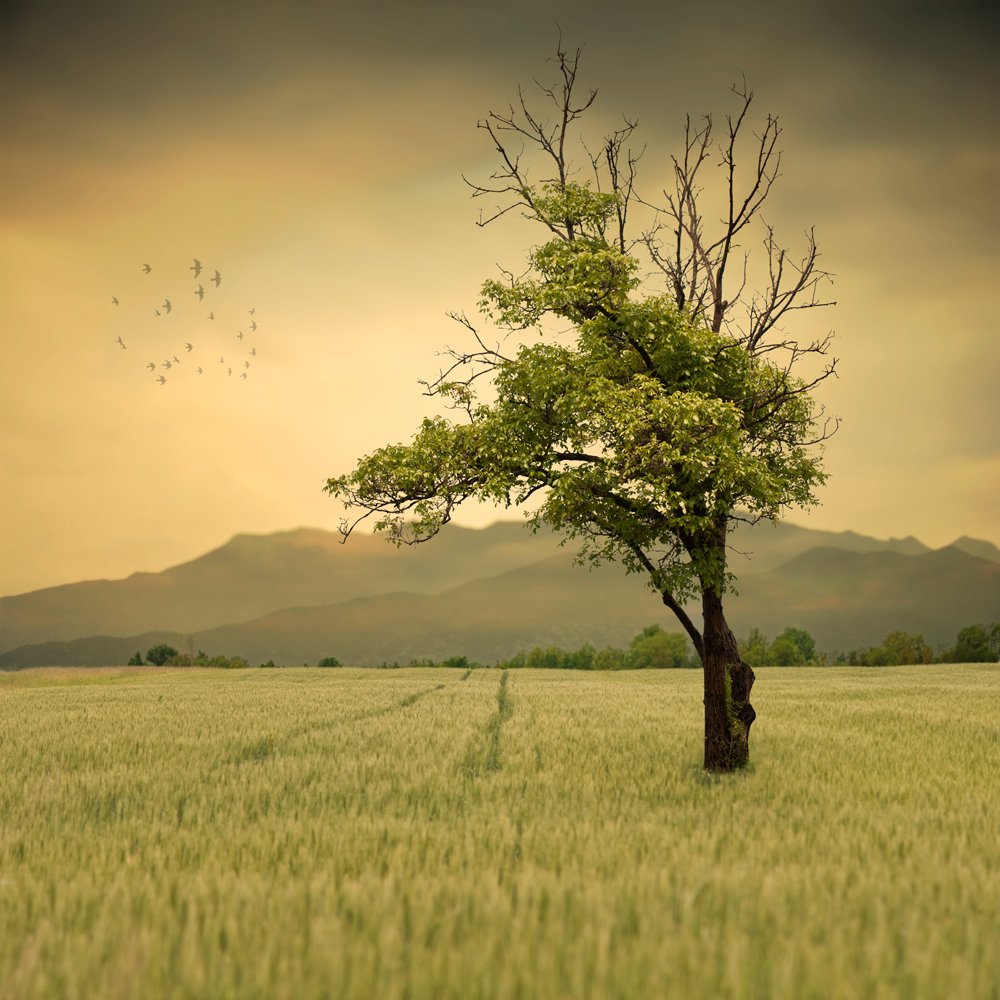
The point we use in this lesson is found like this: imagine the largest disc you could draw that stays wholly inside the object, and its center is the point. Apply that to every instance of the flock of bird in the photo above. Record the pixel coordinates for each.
(192, 349)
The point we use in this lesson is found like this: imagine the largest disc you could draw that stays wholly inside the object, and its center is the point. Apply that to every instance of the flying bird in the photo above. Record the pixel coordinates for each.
(200, 370)
(188, 347)
(253, 352)
(221, 359)
(200, 292)
(157, 311)
(229, 371)
(217, 278)
(211, 315)
(196, 267)
(146, 269)
(246, 364)
(253, 324)
(244, 375)
(168, 363)
(239, 336)
(253, 309)
(162, 380)
(151, 366)
(114, 300)
(177, 360)
(166, 305)
(122, 342)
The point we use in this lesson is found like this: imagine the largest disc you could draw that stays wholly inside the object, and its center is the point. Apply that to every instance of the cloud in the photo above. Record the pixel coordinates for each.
(318, 151)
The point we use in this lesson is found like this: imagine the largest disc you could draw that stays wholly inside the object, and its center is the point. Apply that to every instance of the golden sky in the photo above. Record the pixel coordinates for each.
(314, 153)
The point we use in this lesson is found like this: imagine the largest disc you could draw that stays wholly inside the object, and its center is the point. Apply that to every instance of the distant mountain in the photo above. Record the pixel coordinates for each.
(849, 599)
(253, 575)
(765, 546)
(846, 599)
(977, 547)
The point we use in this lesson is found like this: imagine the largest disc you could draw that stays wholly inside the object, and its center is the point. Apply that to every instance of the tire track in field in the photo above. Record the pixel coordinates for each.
(483, 753)
(363, 715)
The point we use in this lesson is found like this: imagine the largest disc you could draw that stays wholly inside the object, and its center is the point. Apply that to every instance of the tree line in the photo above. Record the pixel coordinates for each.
(164, 655)
(656, 649)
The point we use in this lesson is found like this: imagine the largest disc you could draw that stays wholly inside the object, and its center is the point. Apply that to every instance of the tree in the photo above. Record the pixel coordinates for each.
(135, 660)
(160, 653)
(900, 647)
(795, 647)
(656, 649)
(755, 649)
(975, 644)
(640, 417)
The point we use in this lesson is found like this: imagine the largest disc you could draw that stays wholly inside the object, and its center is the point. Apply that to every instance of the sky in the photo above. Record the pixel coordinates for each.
(313, 155)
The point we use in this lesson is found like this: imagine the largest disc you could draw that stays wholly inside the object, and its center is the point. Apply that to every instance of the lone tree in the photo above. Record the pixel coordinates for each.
(665, 407)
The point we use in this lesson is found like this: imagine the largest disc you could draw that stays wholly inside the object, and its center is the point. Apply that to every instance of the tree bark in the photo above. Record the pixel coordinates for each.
(728, 680)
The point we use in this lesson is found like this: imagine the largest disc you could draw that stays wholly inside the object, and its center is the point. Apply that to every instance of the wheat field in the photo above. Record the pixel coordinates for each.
(436, 833)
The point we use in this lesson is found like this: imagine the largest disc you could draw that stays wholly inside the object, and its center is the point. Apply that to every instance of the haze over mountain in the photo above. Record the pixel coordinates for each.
(296, 596)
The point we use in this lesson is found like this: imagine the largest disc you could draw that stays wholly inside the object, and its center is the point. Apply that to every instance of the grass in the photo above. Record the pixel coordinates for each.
(421, 833)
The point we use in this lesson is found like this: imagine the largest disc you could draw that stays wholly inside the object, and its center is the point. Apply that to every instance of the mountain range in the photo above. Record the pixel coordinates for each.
(296, 596)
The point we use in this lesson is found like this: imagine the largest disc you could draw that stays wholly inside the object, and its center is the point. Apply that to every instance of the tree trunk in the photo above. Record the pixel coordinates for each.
(728, 680)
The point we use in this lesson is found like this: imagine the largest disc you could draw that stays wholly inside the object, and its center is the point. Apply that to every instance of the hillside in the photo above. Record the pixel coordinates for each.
(845, 599)
(253, 575)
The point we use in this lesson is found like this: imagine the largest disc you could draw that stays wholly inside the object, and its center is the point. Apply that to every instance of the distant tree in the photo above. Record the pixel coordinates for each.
(136, 659)
(754, 649)
(329, 661)
(783, 652)
(900, 647)
(580, 659)
(975, 644)
(460, 662)
(160, 653)
(646, 418)
(795, 647)
(610, 659)
(545, 658)
(656, 649)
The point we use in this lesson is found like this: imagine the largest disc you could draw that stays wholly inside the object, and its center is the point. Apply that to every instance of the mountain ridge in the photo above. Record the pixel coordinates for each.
(845, 599)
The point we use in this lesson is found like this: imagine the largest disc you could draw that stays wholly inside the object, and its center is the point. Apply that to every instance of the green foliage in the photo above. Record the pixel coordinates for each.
(329, 661)
(795, 647)
(160, 654)
(639, 435)
(755, 649)
(655, 649)
(976, 644)
(135, 660)
(899, 648)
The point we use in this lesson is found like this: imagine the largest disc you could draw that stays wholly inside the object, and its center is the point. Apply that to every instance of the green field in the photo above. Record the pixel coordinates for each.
(410, 833)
